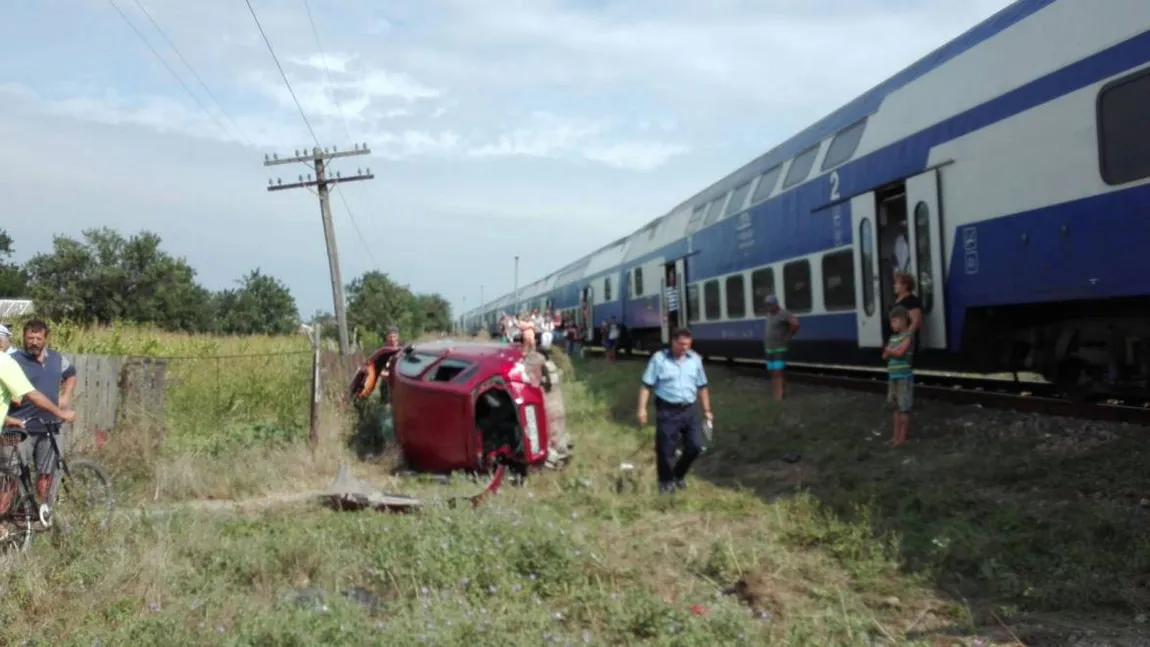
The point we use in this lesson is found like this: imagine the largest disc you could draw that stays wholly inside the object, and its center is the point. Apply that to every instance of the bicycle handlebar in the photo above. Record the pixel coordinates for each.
(52, 426)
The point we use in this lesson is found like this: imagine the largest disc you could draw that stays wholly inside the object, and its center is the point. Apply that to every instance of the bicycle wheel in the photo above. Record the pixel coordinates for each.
(84, 498)
(16, 527)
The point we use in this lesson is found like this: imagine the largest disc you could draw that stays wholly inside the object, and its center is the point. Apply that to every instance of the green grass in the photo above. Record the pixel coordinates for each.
(1020, 514)
(855, 544)
(228, 402)
(255, 388)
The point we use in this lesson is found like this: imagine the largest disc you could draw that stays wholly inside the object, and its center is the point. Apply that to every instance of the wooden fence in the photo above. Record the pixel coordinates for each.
(109, 388)
(112, 389)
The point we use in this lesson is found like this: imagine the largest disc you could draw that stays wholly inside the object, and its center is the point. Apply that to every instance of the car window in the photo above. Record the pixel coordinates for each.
(412, 364)
(447, 370)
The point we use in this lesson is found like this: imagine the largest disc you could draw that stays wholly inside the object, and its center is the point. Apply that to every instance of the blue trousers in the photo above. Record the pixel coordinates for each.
(671, 423)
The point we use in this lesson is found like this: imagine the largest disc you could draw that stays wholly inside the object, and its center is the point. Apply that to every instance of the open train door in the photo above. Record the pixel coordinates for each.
(869, 315)
(924, 226)
(673, 297)
(586, 300)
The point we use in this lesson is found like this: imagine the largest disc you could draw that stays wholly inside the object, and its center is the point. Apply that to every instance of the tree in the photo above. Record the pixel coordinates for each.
(434, 313)
(374, 302)
(106, 278)
(13, 279)
(261, 305)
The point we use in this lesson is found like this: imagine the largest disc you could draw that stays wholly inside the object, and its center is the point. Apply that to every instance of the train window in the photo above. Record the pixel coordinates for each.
(1124, 129)
(736, 299)
(696, 220)
(844, 145)
(922, 255)
(801, 166)
(866, 247)
(715, 211)
(762, 286)
(712, 303)
(735, 204)
(693, 303)
(606, 288)
(638, 274)
(839, 280)
(797, 286)
(767, 182)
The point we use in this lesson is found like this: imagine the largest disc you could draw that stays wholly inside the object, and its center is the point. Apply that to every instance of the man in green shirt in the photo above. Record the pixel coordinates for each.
(15, 387)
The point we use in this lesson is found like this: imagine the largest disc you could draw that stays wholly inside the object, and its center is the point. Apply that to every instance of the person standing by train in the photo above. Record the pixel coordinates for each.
(677, 378)
(512, 328)
(899, 355)
(527, 329)
(671, 294)
(611, 338)
(905, 298)
(779, 328)
(546, 334)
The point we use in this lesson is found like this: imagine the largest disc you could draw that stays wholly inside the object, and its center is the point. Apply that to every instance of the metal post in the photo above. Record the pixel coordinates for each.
(516, 284)
(316, 390)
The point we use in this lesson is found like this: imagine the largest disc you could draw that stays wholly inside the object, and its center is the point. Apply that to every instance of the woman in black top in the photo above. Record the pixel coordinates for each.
(904, 285)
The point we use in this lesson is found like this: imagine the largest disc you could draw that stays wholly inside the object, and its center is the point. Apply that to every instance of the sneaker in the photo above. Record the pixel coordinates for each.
(680, 484)
(666, 488)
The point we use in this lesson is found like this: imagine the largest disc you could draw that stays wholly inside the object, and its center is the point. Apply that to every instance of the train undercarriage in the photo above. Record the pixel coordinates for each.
(1088, 350)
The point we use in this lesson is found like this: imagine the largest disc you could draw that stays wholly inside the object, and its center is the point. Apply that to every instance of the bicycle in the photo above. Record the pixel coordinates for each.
(26, 508)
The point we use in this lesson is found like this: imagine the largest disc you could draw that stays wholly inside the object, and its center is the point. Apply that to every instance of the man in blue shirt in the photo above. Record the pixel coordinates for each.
(53, 375)
(677, 378)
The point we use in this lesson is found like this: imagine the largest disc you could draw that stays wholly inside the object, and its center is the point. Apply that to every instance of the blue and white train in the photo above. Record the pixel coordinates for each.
(1015, 160)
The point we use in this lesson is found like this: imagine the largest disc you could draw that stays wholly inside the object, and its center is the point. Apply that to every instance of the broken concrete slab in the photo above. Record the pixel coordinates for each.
(350, 493)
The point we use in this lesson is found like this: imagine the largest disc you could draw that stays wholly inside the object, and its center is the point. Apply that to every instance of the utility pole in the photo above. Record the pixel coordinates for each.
(318, 159)
(516, 284)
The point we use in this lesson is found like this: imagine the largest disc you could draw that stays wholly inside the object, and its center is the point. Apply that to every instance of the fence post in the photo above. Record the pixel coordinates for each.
(313, 427)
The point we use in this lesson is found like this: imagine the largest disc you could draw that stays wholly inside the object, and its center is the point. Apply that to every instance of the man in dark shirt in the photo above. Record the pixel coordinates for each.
(53, 375)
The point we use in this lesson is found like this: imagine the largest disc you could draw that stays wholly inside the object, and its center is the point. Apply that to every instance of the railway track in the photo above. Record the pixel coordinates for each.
(1035, 397)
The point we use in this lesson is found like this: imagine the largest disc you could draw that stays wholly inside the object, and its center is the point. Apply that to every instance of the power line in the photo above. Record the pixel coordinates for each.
(346, 127)
(355, 224)
(281, 69)
(327, 72)
(169, 68)
(191, 69)
(321, 185)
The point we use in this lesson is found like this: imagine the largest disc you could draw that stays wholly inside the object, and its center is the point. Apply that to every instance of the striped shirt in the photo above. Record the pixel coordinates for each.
(899, 367)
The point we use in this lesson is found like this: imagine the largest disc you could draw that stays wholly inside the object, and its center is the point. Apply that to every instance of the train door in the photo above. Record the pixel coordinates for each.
(870, 314)
(673, 297)
(586, 305)
(924, 225)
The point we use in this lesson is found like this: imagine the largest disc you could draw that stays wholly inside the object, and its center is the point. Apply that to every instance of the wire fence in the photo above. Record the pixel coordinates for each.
(196, 395)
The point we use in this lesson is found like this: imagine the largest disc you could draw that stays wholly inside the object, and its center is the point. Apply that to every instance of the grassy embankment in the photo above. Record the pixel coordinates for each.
(850, 544)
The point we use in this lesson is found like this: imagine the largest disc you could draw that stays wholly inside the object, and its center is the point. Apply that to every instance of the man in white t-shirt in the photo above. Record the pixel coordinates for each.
(6, 340)
(612, 339)
(901, 256)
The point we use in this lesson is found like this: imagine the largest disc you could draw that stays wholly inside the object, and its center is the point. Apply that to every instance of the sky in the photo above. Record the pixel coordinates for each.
(539, 128)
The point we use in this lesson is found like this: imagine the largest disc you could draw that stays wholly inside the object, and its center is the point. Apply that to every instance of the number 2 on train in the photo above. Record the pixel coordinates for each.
(834, 185)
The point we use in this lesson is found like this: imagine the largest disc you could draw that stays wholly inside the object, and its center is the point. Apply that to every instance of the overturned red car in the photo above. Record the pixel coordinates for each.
(469, 406)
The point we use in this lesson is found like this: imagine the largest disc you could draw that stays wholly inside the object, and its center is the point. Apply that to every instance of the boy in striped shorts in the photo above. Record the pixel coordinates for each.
(899, 353)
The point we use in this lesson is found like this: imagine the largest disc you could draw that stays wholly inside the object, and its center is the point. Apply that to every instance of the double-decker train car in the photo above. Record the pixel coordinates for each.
(1014, 161)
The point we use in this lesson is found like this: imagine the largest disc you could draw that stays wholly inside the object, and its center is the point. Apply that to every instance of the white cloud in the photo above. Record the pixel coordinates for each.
(490, 123)
(551, 136)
